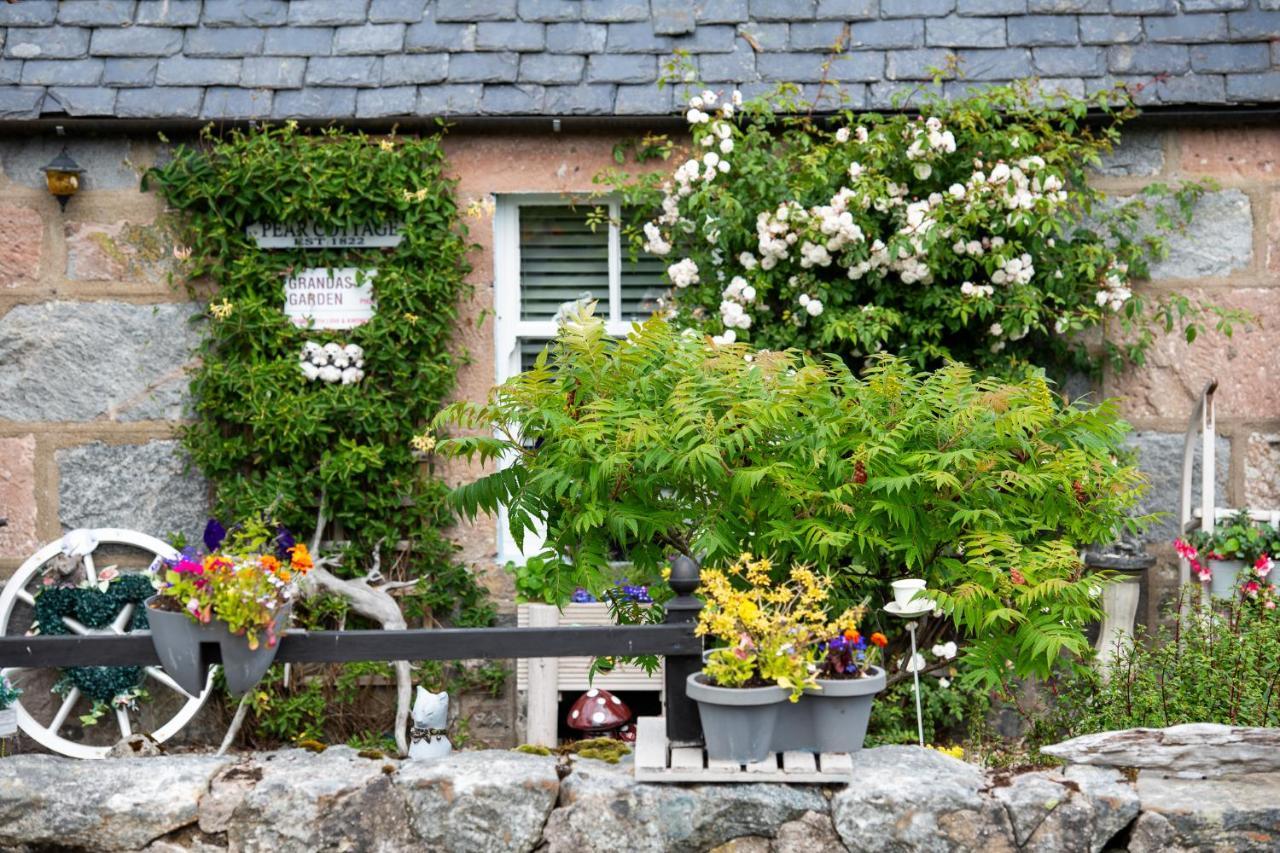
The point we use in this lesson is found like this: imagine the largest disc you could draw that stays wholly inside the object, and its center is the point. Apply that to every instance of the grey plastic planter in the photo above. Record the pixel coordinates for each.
(1226, 577)
(178, 643)
(737, 723)
(833, 719)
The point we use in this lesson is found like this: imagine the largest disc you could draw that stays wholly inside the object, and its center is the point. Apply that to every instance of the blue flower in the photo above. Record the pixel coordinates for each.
(581, 596)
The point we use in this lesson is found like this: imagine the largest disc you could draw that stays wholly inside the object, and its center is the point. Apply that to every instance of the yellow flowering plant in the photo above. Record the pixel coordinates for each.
(772, 632)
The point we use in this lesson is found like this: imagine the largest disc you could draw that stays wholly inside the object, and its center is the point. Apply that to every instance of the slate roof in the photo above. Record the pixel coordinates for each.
(195, 59)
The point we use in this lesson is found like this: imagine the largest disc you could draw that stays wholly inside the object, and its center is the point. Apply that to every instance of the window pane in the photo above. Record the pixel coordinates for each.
(529, 350)
(561, 259)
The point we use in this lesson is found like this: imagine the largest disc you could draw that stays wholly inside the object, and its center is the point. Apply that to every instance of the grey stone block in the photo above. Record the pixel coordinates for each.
(736, 67)
(62, 72)
(315, 102)
(150, 487)
(298, 41)
(895, 35)
(184, 71)
(606, 68)
(1262, 25)
(916, 8)
(646, 100)
(1218, 241)
(483, 67)
(106, 161)
(448, 99)
(32, 13)
(845, 10)
(223, 41)
(808, 67)
(965, 32)
(820, 35)
(224, 102)
(396, 11)
(327, 13)
(369, 38)
(707, 39)
(1229, 58)
(21, 102)
(1214, 5)
(137, 353)
(1140, 153)
(773, 36)
(273, 72)
(505, 99)
(136, 41)
(1104, 29)
(720, 11)
(1148, 59)
(386, 101)
(469, 10)
(1063, 7)
(510, 35)
(781, 10)
(1070, 61)
(551, 68)
(1159, 457)
(917, 64)
(636, 38)
(358, 71)
(1186, 28)
(549, 11)
(610, 11)
(1002, 64)
(978, 8)
(580, 100)
(1144, 7)
(414, 69)
(80, 100)
(1262, 88)
(576, 38)
(46, 42)
(10, 72)
(160, 102)
(1034, 30)
(168, 13)
(245, 13)
(95, 13)
(428, 37)
(882, 95)
(671, 17)
(129, 73)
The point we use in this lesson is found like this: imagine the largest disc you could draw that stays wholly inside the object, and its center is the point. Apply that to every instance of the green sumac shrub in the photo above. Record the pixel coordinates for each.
(265, 434)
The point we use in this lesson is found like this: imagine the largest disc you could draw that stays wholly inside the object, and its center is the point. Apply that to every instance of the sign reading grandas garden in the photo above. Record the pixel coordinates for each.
(332, 298)
(285, 235)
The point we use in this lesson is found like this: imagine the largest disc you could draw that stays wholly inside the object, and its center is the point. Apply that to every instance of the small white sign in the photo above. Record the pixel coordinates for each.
(332, 298)
(285, 235)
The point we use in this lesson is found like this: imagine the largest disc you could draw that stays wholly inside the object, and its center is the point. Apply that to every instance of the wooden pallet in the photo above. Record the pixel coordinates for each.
(655, 762)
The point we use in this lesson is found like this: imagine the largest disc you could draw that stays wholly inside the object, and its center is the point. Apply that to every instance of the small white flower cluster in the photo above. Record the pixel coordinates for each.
(811, 305)
(683, 273)
(976, 291)
(733, 304)
(1017, 270)
(1115, 290)
(923, 142)
(654, 242)
(332, 362)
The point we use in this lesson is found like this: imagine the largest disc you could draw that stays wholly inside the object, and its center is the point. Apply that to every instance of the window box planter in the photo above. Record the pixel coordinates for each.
(738, 723)
(178, 640)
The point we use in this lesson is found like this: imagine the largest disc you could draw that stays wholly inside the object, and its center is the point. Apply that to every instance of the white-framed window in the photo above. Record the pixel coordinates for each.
(546, 253)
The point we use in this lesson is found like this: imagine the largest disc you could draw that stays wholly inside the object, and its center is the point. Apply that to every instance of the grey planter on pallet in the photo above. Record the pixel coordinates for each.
(178, 643)
(1225, 579)
(833, 719)
(737, 723)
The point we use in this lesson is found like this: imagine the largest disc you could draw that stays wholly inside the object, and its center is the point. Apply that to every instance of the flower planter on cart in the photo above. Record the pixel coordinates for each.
(178, 642)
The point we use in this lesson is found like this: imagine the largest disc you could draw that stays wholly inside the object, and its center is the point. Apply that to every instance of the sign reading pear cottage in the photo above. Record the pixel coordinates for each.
(331, 298)
(285, 235)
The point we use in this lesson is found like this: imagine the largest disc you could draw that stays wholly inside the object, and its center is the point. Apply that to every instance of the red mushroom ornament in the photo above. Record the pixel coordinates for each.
(598, 712)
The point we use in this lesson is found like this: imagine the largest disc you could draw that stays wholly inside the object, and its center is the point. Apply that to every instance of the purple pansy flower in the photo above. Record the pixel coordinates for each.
(214, 533)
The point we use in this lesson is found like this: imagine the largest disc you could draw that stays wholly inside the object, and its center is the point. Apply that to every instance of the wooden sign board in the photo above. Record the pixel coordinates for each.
(331, 298)
(284, 235)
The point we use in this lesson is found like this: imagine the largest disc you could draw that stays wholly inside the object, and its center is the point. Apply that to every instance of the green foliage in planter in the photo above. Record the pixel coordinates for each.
(664, 442)
(1219, 666)
(1239, 538)
(262, 433)
(962, 228)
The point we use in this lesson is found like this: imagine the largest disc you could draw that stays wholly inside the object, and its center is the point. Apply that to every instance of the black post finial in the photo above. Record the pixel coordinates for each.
(684, 726)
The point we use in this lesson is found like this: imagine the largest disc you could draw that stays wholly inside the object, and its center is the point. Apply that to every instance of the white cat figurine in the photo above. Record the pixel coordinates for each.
(429, 734)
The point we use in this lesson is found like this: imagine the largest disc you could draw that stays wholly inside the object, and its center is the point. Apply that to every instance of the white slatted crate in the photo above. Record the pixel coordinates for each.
(656, 761)
(572, 672)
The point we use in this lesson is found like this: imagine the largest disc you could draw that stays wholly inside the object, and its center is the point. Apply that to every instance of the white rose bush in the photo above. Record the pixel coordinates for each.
(965, 231)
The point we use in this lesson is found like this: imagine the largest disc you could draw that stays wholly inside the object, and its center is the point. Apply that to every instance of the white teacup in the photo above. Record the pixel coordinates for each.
(905, 590)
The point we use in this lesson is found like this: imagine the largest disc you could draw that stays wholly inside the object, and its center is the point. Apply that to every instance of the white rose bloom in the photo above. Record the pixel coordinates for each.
(842, 135)
(695, 102)
(956, 190)
(814, 307)
(723, 166)
(683, 273)
(855, 169)
(747, 260)
(727, 110)
(708, 141)
(749, 293)
(711, 158)
(923, 171)
(996, 330)
(804, 299)
(736, 98)
(726, 146)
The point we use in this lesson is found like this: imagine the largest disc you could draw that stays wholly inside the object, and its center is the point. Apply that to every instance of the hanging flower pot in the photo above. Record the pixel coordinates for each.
(737, 722)
(178, 642)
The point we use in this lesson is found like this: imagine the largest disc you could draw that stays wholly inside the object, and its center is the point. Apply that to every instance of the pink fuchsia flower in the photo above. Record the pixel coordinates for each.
(1203, 571)
(1269, 604)
(1185, 549)
(1263, 566)
(1251, 589)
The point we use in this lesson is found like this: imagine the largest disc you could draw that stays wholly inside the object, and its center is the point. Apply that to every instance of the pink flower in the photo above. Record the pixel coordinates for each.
(1205, 573)
(1185, 549)
(185, 566)
(1251, 589)
(108, 574)
(1269, 604)
(1263, 566)
(194, 606)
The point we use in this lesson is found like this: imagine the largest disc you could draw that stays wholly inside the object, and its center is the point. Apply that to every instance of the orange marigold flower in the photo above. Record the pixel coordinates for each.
(269, 562)
(851, 635)
(879, 639)
(300, 557)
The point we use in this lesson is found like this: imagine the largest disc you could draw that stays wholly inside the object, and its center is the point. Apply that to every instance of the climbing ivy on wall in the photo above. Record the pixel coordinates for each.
(264, 433)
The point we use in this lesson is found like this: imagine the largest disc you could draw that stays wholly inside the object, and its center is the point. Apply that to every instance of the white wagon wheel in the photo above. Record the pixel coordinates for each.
(16, 611)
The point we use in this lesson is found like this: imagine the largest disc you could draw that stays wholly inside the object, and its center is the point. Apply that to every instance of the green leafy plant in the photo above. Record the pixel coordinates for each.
(962, 228)
(1239, 538)
(665, 442)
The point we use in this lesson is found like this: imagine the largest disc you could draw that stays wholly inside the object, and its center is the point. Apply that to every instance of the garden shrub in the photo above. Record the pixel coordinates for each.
(666, 442)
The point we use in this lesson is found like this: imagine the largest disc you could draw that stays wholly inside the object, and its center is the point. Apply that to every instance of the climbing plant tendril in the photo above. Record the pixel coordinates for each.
(262, 433)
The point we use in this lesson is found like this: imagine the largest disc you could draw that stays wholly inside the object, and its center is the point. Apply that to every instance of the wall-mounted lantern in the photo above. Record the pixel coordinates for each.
(63, 177)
